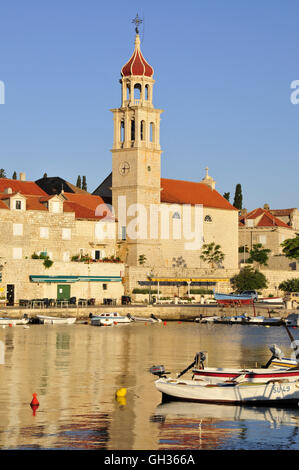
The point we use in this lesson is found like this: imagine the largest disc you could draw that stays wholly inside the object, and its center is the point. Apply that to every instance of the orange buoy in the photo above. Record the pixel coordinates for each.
(165, 323)
(34, 401)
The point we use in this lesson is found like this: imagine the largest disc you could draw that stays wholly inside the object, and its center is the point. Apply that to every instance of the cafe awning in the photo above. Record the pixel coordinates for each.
(72, 279)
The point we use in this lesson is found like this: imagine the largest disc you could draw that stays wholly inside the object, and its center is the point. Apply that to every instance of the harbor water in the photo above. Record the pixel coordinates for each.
(76, 370)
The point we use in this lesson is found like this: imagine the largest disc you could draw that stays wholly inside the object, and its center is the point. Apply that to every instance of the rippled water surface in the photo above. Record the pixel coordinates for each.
(75, 371)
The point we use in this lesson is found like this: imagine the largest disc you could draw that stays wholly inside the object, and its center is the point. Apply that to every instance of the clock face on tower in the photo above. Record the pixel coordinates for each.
(124, 168)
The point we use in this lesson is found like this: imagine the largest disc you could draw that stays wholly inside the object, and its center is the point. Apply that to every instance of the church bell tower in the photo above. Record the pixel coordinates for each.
(136, 159)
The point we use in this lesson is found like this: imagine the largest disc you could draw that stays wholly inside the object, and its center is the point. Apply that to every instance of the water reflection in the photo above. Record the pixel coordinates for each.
(75, 371)
(206, 426)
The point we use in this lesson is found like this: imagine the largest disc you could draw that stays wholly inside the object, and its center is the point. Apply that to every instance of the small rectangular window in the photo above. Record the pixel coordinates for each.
(18, 229)
(17, 253)
(105, 286)
(44, 232)
(66, 234)
(123, 233)
(18, 205)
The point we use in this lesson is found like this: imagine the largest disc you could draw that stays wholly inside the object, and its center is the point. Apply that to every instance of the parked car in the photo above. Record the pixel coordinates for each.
(253, 294)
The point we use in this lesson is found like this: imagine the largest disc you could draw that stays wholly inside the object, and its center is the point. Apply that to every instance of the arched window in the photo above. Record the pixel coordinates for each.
(128, 92)
(132, 129)
(122, 131)
(208, 218)
(137, 91)
(152, 132)
(146, 92)
(142, 130)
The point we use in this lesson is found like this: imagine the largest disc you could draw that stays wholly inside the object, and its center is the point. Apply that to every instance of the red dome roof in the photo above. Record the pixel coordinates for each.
(137, 64)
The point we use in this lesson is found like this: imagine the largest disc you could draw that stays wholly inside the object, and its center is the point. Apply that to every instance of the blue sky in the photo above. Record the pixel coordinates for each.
(223, 71)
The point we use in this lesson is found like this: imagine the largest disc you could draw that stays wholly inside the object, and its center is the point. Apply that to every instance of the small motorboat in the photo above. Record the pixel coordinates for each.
(271, 300)
(277, 386)
(14, 321)
(248, 320)
(108, 318)
(202, 319)
(151, 319)
(47, 320)
(271, 393)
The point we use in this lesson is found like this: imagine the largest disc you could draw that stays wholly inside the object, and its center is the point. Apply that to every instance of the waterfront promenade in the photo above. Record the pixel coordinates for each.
(171, 312)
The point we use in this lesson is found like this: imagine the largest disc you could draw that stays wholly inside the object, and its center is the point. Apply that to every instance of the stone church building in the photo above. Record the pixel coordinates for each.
(160, 220)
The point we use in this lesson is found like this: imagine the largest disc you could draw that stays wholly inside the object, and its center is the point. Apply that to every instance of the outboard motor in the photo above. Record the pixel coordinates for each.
(159, 371)
(200, 359)
(276, 354)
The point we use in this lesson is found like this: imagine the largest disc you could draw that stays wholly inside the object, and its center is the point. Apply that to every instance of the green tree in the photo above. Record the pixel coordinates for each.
(259, 254)
(84, 184)
(2, 173)
(291, 285)
(226, 196)
(14, 176)
(45, 175)
(238, 200)
(249, 279)
(79, 184)
(212, 254)
(291, 247)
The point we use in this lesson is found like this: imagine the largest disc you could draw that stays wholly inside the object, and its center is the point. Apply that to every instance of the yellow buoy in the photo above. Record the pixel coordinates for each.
(121, 392)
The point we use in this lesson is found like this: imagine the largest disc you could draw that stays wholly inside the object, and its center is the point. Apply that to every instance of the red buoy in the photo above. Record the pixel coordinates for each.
(34, 401)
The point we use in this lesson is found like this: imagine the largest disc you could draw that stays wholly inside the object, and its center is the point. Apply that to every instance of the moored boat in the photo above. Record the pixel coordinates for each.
(151, 319)
(14, 321)
(271, 300)
(272, 392)
(237, 299)
(48, 320)
(108, 318)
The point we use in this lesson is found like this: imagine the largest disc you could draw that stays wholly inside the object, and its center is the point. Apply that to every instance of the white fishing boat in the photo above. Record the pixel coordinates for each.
(271, 300)
(151, 319)
(109, 318)
(279, 385)
(13, 321)
(248, 320)
(48, 320)
(202, 319)
(272, 392)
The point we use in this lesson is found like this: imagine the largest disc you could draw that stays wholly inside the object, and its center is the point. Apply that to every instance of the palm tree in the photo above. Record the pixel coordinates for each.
(212, 254)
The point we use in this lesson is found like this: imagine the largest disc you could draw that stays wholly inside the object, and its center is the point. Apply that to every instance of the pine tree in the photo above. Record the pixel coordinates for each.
(14, 176)
(226, 196)
(238, 197)
(78, 184)
(45, 175)
(84, 184)
(2, 173)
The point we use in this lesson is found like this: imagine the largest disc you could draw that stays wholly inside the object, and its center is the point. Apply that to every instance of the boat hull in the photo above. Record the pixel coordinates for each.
(273, 393)
(14, 321)
(45, 320)
(114, 318)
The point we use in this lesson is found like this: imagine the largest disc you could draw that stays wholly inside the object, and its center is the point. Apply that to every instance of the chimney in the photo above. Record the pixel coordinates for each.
(22, 176)
(266, 207)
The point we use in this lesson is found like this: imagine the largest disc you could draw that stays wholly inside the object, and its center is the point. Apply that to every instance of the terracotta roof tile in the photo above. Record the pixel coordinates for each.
(85, 205)
(23, 187)
(187, 192)
(267, 219)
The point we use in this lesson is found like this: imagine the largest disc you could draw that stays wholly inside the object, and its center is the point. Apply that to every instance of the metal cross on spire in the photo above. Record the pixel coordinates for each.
(137, 22)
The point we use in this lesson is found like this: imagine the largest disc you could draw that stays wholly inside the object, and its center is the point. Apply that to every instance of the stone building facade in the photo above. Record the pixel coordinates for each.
(63, 228)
